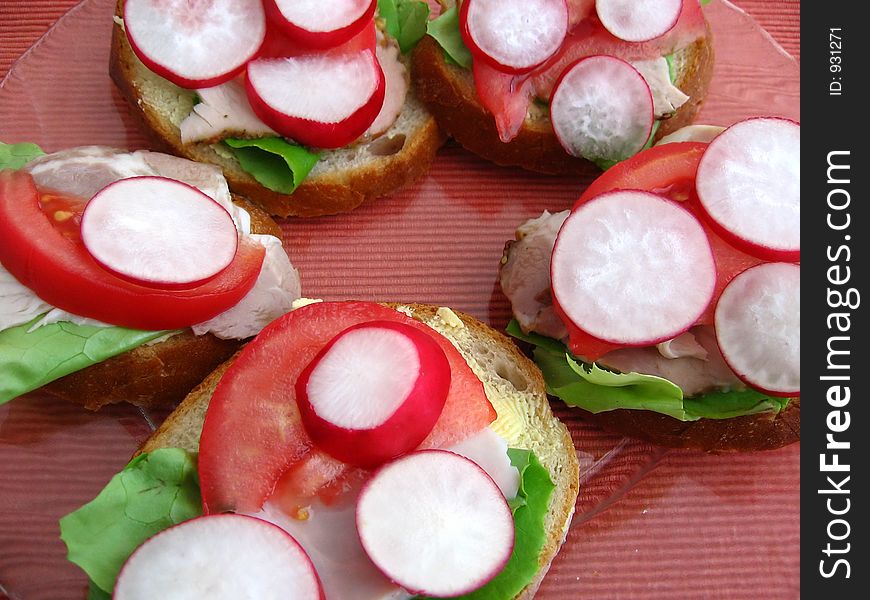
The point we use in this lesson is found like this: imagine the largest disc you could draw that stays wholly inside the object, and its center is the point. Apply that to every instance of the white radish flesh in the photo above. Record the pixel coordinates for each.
(323, 100)
(514, 35)
(632, 268)
(749, 183)
(321, 23)
(220, 557)
(602, 109)
(758, 327)
(374, 392)
(158, 231)
(638, 20)
(197, 44)
(435, 523)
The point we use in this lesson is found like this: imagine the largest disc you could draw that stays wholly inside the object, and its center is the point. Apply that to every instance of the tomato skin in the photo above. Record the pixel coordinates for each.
(57, 268)
(668, 170)
(253, 433)
(64, 213)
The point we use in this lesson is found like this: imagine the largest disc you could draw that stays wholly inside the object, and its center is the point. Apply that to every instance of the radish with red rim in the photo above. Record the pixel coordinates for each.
(639, 20)
(194, 560)
(748, 184)
(514, 36)
(324, 100)
(758, 327)
(195, 45)
(158, 231)
(374, 392)
(632, 268)
(435, 523)
(602, 109)
(320, 23)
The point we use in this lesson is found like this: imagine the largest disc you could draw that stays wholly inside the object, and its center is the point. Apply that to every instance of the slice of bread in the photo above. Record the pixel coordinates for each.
(513, 384)
(157, 374)
(341, 181)
(449, 92)
(764, 431)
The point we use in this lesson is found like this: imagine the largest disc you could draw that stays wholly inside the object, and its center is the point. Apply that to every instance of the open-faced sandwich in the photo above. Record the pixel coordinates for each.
(128, 276)
(352, 450)
(666, 303)
(555, 85)
(306, 106)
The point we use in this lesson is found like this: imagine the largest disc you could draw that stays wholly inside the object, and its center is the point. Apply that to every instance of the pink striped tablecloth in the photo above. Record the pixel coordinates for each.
(698, 526)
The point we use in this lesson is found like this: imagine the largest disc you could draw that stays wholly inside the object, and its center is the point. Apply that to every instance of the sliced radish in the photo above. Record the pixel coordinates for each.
(514, 35)
(638, 20)
(602, 109)
(195, 45)
(374, 392)
(435, 523)
(321, 23)
(158, 231)
(219, 557)
(758, 327)
(632, 268)
(749, 184)
(324, 100)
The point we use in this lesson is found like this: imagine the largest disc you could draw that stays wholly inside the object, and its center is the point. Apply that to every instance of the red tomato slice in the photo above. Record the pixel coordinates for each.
(55, 265)
(668, 170)
(253, 434)
(64, 213)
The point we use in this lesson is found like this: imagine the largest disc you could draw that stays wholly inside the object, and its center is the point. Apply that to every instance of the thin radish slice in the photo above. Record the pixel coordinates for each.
(632, 268)
(758, 327)
(220, 557)
(638, 20)
(749, 184)
(602, 109)
(195, 45)
(374, 392)
(324, 100)
(321, 23)
(514, 36)
(435, 523)
(158, 231)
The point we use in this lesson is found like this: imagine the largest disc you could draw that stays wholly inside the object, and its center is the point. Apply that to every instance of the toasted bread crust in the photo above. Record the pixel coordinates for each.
(158, 374)
(484, 349)
(334, 191)
(749, 433)
(449, 93)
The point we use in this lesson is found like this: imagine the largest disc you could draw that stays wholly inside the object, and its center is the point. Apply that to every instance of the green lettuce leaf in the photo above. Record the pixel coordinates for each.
(160, 489)
(445, 30)
(274, 162)
(30, 360)
(95, 593)
(529, 510)
(15, 156)
(153, 492)
(592, 388)
(405, 21)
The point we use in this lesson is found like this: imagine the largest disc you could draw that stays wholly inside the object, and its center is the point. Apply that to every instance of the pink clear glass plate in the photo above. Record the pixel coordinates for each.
(438, 242)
